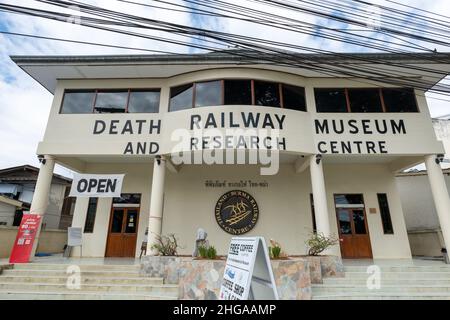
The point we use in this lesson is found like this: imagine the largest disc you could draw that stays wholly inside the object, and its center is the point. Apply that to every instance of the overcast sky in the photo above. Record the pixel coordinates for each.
(25, 105)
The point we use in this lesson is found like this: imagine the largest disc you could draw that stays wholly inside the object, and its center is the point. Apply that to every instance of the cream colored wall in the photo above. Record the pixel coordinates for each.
(370, 180)
(71, 134)
(7, 212)
(137, 180)
(285, 212)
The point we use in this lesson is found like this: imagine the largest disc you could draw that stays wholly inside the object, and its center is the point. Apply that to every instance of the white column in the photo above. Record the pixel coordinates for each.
(41, 195)
(440, 196)
(319, 195)
(156, 203)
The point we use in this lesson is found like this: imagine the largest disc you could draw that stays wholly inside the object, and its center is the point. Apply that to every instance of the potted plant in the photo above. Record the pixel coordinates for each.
(318, 243)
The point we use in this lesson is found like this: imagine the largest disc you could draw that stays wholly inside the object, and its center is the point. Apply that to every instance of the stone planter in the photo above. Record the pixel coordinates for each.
(325, 267)
(201, 279)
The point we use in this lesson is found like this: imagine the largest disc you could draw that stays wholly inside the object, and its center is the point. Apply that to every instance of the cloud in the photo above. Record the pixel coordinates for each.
(25, 105)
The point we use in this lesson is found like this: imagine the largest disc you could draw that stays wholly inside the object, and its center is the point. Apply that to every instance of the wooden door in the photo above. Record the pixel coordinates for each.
(353, 233)
(122, 232)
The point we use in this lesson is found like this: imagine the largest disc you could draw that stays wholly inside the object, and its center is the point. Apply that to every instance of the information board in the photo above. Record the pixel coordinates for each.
(26, 235)
(248, 273)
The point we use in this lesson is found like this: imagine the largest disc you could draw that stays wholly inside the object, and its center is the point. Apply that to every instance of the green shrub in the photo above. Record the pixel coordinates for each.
(318, 243)
(207, 252)
(166, 246)
(275, 252)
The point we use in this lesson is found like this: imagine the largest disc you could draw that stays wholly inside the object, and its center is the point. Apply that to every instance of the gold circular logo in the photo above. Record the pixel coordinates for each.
(236, 212)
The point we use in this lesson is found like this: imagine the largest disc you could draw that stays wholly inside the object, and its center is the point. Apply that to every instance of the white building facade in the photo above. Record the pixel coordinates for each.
(169, 122)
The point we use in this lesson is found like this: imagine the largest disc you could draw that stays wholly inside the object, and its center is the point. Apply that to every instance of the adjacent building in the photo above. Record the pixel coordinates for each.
(17, 187)
(237, 145)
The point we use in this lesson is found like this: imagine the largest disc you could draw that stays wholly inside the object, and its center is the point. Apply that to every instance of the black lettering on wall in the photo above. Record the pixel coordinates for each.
(322, 128)
(99, 126)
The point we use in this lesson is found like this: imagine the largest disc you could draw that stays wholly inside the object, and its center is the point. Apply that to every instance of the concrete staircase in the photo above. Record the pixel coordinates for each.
(38, 281)
(397, 283)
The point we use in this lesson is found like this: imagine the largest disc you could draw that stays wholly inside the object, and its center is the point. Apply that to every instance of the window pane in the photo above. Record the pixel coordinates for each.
(181, 97)
(365, 100)
(90, 215)
(267, 94)
(238, 92)
(349, 199)
(294, 97)
(400, 100)
(208, 93)
(311, 199)
(385, 213)
(111, 102)
(129, 198)
(144, 101)
(330, 100)
(130, 226)
(116, 226)
(78, 102)
(359, 222)
(345, 226)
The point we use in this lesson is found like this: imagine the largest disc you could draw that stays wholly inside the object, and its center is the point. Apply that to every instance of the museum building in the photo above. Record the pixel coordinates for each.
(240, 146)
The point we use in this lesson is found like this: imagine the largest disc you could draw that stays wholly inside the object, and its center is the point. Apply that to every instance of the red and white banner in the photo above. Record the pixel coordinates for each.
(23, 246)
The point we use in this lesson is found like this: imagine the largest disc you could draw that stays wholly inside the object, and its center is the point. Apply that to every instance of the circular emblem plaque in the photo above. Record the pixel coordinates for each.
(236, 212)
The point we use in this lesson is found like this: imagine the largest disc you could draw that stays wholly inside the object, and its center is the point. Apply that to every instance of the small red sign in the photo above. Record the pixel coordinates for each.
(26, 235)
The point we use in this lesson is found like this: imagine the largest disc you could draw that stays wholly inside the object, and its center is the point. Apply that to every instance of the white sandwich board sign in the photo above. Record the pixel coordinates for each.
(248, 273)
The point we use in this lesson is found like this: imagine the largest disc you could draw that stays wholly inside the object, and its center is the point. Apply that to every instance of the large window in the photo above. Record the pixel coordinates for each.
(143, 101)
(111, 101)
(78, 101)
(237, 92)
(181, 97)
(90, 215)
(399, 100)
(365, 100)
(267, 94)
(293, 97)
(330, 100)
(385, 213)
(208, 93)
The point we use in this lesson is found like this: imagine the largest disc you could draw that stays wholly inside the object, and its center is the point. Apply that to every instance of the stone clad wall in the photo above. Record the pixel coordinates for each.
(201, 279)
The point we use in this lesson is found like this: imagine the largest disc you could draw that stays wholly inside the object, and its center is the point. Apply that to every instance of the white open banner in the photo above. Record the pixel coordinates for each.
(96, 185)
(248, 273)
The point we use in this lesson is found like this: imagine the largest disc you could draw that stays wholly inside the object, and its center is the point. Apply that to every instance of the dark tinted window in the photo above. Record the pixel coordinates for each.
(238, 92)
(208, 93)
(365, 100)
(267, 94)
(128, 198)
(78, 102)
(294, 97)
(349, 199)
(359, 222)
(330, 100)
(313, 212)
(385, 213)
(181, 97)
(400, 100)
(111, 101)
(90, 215)
(144, 101)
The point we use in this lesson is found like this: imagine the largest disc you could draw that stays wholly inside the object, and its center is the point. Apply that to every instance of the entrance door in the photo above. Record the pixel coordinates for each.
(122, 234)
(353, 233)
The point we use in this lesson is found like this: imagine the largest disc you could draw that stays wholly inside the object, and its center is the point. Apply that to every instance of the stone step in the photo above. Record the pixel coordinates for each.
(443, 268)
(62, 273)
(400, 275)
(93, 288)
(64, 295)
(386, 289)
(383, 296)
(83, 267)
(84, 279)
